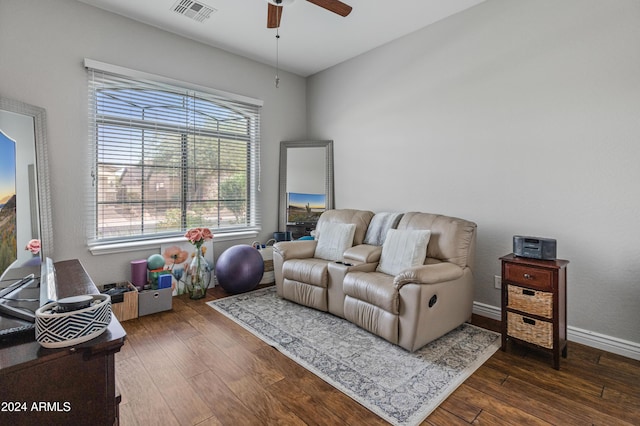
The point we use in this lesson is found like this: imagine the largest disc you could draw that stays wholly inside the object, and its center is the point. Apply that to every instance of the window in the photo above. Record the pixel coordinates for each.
(166, 158)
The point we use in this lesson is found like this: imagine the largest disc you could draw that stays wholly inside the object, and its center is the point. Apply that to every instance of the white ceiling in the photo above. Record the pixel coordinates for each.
(311, 38)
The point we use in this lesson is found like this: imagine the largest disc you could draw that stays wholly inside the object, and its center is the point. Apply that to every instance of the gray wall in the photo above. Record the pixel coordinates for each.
(42, 47)
(523, 116)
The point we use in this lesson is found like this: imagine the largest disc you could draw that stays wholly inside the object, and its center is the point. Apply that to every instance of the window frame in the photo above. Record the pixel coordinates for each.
(252, 226)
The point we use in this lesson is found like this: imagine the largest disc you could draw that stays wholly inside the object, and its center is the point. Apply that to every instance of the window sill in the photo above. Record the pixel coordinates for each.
(123, 247)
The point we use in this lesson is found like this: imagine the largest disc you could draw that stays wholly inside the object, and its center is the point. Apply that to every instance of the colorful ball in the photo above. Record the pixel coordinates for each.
(239, 269)
(155, 261)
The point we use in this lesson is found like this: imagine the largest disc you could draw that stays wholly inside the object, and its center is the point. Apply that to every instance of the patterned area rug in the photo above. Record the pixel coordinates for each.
(401, 387)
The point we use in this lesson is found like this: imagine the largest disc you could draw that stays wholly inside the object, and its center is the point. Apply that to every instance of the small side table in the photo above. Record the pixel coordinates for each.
(534, 304)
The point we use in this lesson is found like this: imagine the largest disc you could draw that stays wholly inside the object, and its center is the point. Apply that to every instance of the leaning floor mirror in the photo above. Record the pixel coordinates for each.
(306, 185)
(25, 209)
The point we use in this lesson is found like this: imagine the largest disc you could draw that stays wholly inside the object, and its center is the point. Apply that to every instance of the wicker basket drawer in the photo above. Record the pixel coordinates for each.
(530, 301)
(533, 331)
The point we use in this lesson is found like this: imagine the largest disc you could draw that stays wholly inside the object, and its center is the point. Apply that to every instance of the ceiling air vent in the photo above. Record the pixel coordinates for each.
(193, 9)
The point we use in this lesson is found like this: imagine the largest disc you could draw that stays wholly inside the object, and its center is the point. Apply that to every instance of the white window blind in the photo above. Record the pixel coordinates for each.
(167, 158)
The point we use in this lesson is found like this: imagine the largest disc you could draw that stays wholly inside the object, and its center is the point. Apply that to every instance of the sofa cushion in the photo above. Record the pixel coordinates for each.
(375, 288)
(379, 226)
(310, 271)
(361, 218)
(452, 239)
(334, 239)
(403, 250)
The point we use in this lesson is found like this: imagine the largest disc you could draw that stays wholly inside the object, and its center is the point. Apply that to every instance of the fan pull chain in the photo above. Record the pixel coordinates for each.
(277, 58)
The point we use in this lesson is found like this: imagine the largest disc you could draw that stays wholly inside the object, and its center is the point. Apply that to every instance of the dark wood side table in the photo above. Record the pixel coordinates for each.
(534, 304)
(73, 385)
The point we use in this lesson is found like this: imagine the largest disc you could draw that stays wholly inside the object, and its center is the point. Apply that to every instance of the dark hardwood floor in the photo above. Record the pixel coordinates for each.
(193, 366)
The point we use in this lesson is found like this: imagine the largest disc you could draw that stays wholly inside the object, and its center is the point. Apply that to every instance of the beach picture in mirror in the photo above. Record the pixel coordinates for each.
(305, 208)
(8, 244)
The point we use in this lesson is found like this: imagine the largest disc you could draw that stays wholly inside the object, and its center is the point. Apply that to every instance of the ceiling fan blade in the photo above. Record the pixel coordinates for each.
(274, 15)
(334, 6)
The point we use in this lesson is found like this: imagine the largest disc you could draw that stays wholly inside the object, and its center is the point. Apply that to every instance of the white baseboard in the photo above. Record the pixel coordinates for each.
(574, 334)
(488, 311)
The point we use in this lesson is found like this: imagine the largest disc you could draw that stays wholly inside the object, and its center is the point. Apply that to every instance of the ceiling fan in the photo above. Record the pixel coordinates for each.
(274, 11)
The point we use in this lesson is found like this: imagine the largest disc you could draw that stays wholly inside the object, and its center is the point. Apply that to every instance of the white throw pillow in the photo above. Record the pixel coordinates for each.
(403, 249)
(334, 239)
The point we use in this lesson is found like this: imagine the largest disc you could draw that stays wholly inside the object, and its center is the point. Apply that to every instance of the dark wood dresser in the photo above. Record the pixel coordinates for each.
(73, 385)
(534, 304)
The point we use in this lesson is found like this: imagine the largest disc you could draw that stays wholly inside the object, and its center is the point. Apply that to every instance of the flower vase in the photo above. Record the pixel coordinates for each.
(199, 276)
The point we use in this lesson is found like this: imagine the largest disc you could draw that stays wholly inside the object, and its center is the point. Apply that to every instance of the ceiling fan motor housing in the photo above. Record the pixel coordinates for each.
(280, 2)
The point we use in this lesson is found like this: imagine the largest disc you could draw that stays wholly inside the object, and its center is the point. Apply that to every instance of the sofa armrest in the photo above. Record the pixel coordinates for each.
(363, 253)
(301, 249)
(428, 274)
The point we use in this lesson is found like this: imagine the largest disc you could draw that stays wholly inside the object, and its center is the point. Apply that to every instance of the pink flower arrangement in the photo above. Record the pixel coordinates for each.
(33, 246)
(197, 236)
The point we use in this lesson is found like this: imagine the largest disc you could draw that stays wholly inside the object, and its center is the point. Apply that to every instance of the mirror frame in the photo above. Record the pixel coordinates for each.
(42, 168)
(285, 146)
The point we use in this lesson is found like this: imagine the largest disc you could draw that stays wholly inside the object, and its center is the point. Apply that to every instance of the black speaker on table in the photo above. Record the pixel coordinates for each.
(534, 247)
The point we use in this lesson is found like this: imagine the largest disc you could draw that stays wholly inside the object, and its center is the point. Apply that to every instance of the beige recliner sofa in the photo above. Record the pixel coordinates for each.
(407, 306)
(424, 302)
(306, 276)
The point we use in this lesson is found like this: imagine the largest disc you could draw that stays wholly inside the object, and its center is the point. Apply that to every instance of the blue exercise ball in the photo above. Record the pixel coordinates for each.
(239, 269)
